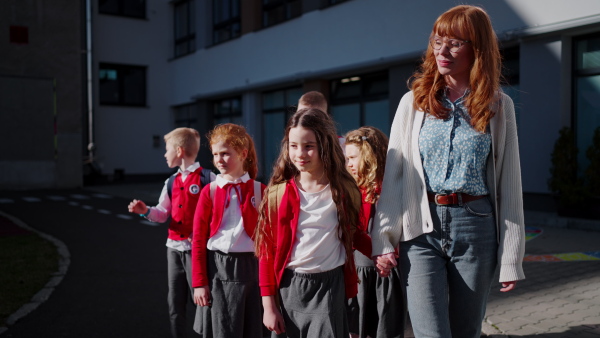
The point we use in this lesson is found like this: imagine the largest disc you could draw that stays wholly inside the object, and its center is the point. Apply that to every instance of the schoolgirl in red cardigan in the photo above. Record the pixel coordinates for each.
(378, 309)
(304, 234)
(224, 267)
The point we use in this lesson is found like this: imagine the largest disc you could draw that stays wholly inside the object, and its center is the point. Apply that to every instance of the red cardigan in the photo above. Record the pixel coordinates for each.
(271, 267)
(207, 222)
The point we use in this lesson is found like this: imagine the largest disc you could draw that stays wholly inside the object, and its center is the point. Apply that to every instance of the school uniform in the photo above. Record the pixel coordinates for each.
(223, 259)
(308, 270)
(180, 206)
(378, 310)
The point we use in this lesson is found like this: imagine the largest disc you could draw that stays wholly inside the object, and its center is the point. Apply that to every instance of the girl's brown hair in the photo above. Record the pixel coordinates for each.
(469, 23)
(332, 158)
(238, 138)
(372, 144)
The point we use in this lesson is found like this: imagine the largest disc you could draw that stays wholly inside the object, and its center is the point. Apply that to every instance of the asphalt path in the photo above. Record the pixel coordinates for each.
(116, 284)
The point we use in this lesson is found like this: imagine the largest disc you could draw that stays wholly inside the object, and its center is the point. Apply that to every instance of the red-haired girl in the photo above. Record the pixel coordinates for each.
(224, 267)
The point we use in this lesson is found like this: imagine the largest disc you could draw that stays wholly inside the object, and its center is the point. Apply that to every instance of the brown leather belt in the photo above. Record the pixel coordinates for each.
(457, 198)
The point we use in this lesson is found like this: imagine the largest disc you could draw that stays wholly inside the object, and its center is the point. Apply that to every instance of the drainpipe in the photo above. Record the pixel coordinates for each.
(90, 105)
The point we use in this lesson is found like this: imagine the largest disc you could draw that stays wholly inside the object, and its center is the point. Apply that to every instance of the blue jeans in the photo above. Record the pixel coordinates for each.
(448, 272)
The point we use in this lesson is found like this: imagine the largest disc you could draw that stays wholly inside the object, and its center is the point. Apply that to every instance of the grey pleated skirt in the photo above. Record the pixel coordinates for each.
(313, 304)
(236, 305)
(379, 310)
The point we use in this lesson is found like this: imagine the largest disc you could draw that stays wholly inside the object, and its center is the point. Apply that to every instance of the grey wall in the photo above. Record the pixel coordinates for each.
(41, 125)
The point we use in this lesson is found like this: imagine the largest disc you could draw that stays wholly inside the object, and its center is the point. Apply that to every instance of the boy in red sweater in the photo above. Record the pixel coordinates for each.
(178, 199)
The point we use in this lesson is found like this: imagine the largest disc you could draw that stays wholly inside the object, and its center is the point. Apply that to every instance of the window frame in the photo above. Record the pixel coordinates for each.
(269, 5)
(227, 24)
(121, 10)
(187, 39)
(578, 74)
(121, 85)
(231, 115)
(363, 97)
(288, 109)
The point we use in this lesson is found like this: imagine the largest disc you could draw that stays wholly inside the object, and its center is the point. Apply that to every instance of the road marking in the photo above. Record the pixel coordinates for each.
(121, 216)
(565, 257)
(73, 203)
(104, 211)
(56, 198)
(6, 200)
(152, 224)
(532, 232)
(105, 196)
(87, 207)
(31, 199)
(80, 197)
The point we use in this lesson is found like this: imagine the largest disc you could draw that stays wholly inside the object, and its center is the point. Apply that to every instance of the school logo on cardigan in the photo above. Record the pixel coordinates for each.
(194, 189)
(253, 200)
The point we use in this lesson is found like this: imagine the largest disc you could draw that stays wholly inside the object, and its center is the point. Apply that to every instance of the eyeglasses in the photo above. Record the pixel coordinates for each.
(453, 44)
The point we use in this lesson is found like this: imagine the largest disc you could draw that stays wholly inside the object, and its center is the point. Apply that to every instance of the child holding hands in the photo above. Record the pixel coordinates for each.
(225, 269)
(178, 199)
(378, 309)
(304, 235)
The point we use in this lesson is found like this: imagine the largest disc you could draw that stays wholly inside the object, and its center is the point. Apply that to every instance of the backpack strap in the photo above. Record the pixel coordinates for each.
(275, 194)
(205, 176)
(170, 185)
(213, 188)
(257, 194)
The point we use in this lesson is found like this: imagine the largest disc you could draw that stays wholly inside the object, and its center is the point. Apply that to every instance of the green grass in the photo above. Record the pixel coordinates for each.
(27, 262)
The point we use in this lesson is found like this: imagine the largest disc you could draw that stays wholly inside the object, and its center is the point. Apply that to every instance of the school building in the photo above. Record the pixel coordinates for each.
(159, 64)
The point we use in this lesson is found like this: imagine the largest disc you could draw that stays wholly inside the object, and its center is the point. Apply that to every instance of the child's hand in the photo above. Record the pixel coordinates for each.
(202, 296)
(272, 318)
(385, 263)
(137, 207)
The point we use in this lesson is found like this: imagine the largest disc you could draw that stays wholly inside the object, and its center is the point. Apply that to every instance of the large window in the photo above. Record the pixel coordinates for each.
(131, 8)
(586, 93)
(226, 20)
(278, 106)
(122, 85)
(361, 101)
(276, 11)
(186, 116)
(228, 111)
(185, 27)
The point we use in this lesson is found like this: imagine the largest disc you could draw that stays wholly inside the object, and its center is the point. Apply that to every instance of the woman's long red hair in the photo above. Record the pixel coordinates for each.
(466, 23)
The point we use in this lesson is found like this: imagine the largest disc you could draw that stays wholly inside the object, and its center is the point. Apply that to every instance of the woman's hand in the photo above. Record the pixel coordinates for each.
(508, 286)
(202, 296)
(385, 263)
(272, 318)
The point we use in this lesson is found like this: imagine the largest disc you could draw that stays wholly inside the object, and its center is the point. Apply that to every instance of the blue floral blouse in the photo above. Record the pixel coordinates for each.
(454, 155)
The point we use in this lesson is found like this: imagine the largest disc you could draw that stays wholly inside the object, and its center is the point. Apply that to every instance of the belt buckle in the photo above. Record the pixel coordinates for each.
(435, 198)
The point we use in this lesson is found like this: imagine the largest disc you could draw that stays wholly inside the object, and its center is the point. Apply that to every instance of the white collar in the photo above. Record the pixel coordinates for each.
(190, 169)
(221, 182)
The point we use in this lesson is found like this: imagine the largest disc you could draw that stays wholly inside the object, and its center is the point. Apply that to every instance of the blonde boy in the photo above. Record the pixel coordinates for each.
(178, 199)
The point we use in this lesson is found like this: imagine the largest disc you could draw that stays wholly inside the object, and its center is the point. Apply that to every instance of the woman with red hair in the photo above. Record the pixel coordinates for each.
(451, 195)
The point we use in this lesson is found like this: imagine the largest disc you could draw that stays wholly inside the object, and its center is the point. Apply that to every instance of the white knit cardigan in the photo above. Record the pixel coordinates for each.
(403, 209)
